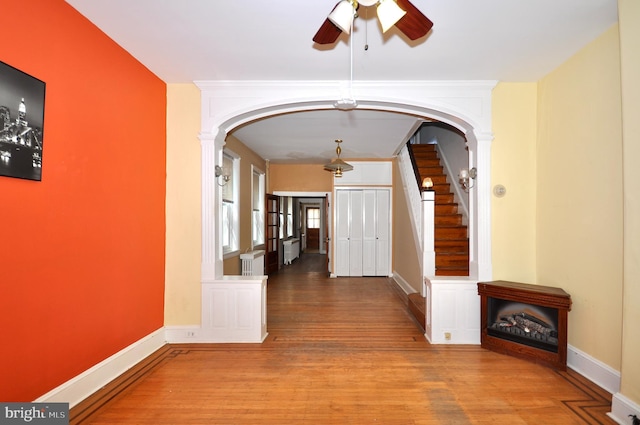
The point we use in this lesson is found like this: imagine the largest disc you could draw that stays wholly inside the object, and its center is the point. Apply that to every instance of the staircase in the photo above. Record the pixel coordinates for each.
(451, 240)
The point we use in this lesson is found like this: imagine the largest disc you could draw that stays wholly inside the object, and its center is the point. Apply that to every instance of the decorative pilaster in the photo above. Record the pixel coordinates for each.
(482, 201)
(211, 268)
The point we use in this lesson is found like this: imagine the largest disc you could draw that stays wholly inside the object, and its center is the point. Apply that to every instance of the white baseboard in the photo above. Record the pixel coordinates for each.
(184, 334)
(593, 369)
(622, 408)
(88, 382)
(403, 284)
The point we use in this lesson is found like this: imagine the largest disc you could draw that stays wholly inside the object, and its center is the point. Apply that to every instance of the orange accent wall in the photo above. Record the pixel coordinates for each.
(82, 264)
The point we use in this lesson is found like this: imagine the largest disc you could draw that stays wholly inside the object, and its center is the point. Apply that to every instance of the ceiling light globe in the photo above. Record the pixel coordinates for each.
(342, 16)
(389, 13)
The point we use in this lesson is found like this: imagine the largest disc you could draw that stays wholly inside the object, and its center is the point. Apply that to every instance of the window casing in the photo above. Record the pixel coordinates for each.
(257, 207)
(230, 202)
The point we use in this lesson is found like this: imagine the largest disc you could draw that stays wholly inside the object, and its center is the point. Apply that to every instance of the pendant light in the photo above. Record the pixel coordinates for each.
(338, 166)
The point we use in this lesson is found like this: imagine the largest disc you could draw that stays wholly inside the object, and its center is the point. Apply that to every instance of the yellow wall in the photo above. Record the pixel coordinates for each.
(513, 165)
(579, 194)
(232, 265)
(183, 231)
(629, 12)
(558, 151)
(299, 178)
(406, 261)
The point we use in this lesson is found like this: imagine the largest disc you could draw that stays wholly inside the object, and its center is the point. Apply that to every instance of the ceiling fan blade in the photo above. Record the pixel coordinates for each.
(414, 24)
(328, 33)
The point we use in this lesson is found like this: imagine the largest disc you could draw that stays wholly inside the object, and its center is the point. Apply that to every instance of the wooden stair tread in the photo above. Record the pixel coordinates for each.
(451, 240)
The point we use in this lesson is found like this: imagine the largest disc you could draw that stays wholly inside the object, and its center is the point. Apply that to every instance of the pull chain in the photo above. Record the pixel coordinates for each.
(366, 30)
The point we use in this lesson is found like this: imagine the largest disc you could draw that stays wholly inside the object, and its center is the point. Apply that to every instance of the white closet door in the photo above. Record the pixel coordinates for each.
(383, 230)
(342, 233)
(355, 232)
(369, 233)
(363, 232)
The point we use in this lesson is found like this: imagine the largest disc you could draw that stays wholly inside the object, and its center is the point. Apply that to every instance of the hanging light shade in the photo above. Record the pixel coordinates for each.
(338, 166)
(389, 13)
(343, 14)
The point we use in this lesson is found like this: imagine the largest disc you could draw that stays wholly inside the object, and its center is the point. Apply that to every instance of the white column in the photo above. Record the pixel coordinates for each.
(482, 201)
(211, 262)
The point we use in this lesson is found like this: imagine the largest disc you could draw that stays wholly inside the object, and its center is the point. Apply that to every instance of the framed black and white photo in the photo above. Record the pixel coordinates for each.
(21, 124)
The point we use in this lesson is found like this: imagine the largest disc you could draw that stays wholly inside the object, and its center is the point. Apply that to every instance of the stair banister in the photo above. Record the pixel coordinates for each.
(422, 213)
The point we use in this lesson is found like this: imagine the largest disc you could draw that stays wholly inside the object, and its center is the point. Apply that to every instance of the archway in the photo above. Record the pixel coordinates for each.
(463, 105)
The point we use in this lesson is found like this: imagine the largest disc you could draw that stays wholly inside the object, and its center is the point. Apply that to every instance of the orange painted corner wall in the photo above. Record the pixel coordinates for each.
(82, 265)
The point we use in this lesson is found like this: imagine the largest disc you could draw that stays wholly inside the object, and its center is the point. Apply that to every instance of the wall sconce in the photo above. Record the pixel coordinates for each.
(466, 177)
(220, 173)
(427, 183)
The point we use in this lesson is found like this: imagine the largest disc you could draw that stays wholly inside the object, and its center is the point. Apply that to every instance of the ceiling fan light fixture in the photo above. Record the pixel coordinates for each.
(343, 14)
(389, 13)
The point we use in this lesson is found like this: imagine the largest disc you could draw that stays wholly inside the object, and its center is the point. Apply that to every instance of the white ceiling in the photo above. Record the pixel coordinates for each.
(189, 40)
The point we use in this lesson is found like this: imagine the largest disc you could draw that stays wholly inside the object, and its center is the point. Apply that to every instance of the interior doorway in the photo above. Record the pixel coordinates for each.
(312, 228)
(311, 223)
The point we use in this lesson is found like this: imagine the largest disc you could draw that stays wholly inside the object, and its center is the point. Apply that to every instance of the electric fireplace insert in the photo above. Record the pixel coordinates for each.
(525, 321)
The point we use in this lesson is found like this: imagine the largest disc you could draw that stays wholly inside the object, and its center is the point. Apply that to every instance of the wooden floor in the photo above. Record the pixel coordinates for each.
(341, 351)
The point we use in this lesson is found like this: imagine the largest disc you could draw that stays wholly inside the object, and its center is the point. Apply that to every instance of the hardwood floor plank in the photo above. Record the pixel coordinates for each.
(342, 351)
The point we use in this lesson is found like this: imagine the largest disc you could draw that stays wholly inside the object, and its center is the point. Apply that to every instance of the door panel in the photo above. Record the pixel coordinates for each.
(342, 233)
(327, 233)
(313, 239)
(355, 233)
(272, 232)
(313, 228)
(369, 233)
(383, 220)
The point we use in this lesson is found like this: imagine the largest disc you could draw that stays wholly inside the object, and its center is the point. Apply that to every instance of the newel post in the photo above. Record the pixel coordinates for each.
(428, 237)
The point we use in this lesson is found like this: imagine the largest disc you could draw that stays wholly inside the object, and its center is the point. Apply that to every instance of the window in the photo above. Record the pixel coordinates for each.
(257, 207)
(230, 204)
(313, 218)
(289, 216)
(286, 217)
(281, 218)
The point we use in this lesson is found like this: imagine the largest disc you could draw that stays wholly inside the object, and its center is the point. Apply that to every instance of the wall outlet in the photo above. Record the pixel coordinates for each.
(191, 334)
(447, 336)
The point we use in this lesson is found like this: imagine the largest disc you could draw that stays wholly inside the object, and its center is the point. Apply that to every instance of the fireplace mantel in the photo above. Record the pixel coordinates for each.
(551, 302)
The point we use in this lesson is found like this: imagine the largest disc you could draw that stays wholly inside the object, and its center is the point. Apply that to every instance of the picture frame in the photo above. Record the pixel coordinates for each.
(21, 123)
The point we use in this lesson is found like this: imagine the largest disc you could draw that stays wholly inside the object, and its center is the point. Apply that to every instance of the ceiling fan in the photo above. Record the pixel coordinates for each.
(401, 13)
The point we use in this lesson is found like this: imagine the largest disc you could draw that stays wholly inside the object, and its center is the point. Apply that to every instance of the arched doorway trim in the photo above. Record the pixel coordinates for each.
(466, 105)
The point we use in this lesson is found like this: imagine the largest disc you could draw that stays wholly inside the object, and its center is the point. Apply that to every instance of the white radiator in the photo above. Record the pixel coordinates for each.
(291, 250)
(252, 263)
